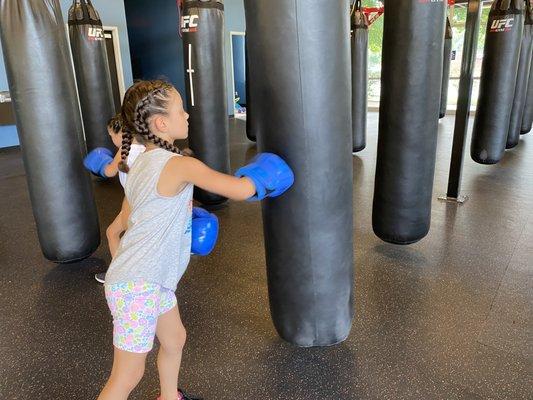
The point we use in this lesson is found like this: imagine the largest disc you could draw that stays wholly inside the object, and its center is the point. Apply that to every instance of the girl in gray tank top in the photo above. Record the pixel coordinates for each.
(157, 244)
(154, 252)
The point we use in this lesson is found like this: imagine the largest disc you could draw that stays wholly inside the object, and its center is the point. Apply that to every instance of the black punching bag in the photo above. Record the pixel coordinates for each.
(498, 81)
(93, 78)
(522, 80)
(250, 128)
(46, 107)
(202, 25)
(527, 115)
(411, 78)
(295, 72)
(448, 37)
(359, 76)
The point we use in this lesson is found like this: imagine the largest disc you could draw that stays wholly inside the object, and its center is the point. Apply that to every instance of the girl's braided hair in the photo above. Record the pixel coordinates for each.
(142, 101)
(115, 123)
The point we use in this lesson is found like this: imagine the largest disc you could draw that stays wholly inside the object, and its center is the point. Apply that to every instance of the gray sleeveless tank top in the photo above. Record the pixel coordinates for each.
(157, 244)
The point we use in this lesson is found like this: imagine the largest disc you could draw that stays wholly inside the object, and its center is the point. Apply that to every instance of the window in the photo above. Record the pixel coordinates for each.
(375, 38)
(458, 24)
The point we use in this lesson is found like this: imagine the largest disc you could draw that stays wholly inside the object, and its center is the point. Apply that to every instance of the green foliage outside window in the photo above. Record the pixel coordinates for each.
(375, 35)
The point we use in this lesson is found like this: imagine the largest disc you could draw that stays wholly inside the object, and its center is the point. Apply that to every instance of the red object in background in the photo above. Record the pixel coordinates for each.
(373, 13)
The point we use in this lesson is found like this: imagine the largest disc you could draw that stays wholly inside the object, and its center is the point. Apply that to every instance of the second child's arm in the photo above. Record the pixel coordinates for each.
(112, 169)
(101, 162)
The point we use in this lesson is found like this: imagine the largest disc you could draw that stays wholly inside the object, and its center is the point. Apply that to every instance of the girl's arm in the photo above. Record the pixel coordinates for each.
(117, 227)
(113, 232)
(112, 169)
(182, 170)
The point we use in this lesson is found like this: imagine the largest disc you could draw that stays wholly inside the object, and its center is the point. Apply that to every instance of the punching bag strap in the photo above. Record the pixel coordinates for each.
(213, 4)
(507, 7)
(506, 12)
(529, 13)
(83, 13)
(179, 5)
(359, 18)
(356, 6)
(449, 30)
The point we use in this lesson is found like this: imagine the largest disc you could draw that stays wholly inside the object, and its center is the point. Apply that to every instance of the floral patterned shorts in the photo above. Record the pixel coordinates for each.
(135, 307)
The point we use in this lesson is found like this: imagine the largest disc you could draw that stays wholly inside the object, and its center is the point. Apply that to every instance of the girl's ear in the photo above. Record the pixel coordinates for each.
(159, 122)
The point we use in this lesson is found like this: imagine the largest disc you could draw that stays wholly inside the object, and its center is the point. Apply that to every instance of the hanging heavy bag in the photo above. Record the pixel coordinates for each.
(93, 77)
(46, 107)
(527, 113)
(411, 77)
(498, 81)
(448, 41)
(522, 80)
(202, 28)
(251, 129)
(294, 71)
(527, 117)
(359, 24)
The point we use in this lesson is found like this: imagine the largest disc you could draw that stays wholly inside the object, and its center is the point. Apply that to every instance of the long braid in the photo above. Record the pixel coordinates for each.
(127, 140)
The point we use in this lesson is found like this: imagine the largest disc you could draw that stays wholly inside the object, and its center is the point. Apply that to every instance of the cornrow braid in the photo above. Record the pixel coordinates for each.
(141, 124)
(142, 101)
(142, 113)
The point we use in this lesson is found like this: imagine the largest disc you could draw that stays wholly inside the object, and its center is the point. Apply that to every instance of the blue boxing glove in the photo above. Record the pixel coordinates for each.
(270, 175)
(97, 161)
(204, 231)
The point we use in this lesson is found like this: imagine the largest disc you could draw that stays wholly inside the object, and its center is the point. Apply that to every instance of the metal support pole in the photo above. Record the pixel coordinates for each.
(463, 102)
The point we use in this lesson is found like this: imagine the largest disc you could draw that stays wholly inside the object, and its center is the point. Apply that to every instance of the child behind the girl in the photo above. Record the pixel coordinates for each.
(154, 252)
(101, 162)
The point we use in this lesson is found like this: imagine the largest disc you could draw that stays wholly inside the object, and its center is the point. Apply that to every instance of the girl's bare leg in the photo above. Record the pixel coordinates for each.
(171, 334)
(128, 369)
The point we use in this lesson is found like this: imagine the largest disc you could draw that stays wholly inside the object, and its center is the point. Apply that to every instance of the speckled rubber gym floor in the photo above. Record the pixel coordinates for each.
(446, 318)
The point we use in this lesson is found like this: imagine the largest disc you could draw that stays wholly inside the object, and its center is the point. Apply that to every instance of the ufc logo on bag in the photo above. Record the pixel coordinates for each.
(189, 23)
(502, 25)
(96, 34)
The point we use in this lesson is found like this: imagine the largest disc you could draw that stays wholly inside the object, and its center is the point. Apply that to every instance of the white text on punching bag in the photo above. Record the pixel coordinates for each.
(96, 33)
(189, 23)
(502, 25)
